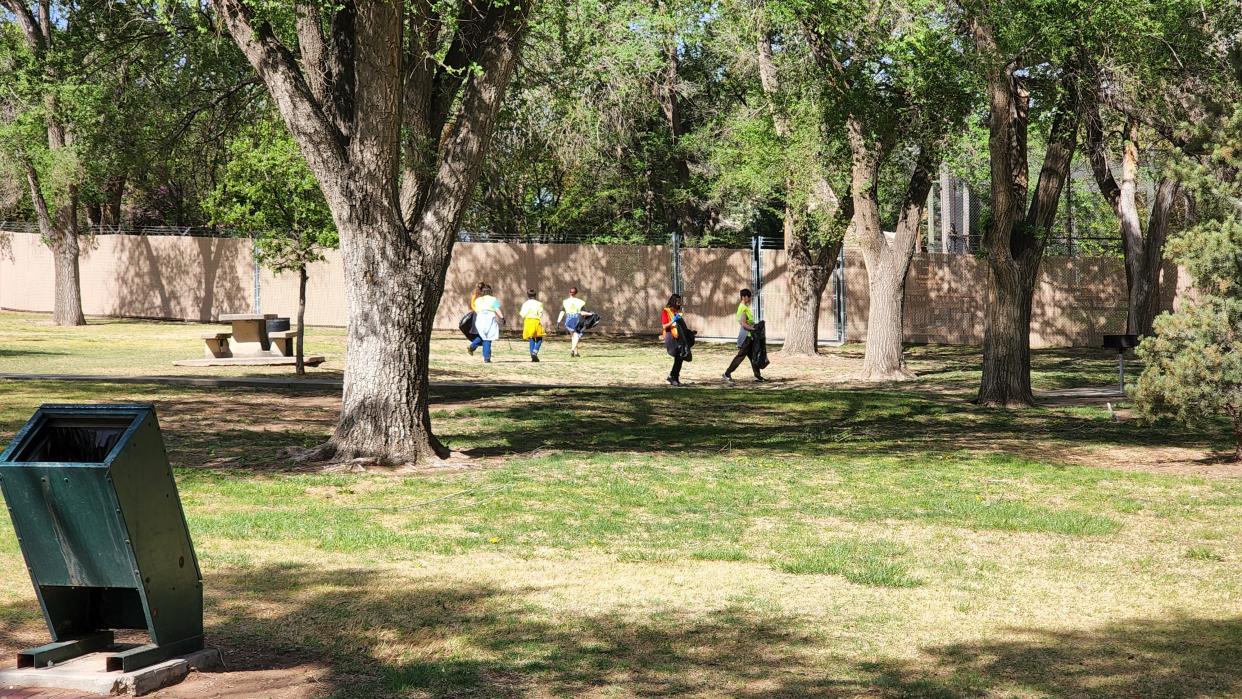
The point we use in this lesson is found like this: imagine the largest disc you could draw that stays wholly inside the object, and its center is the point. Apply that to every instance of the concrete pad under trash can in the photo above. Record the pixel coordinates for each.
(88, 673)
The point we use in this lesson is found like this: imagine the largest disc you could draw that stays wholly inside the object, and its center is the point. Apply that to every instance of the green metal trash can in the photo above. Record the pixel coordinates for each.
(96, 511)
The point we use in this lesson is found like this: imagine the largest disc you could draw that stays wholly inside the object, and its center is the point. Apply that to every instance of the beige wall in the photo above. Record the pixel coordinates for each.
(1078, 299)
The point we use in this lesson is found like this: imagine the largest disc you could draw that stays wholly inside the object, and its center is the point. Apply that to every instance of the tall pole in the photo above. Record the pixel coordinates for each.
(677, 287)
(946, 207)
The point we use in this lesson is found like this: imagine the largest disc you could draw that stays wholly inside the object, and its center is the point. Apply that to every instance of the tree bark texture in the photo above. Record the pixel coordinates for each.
(812, 254)
(396, 138)
(59, 228)
(1014, 241)
(809, 273)
(887, 260)
(1144, 250)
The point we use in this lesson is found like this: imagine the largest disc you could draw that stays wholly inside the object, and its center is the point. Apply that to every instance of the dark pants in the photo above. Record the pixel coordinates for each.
(743, 353)
(675, 374)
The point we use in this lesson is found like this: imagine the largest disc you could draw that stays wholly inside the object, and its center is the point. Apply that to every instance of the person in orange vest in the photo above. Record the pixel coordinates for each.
(670, 335)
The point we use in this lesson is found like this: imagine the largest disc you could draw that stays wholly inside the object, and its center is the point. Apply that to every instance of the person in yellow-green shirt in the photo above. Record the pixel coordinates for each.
(745, 337)
(574, 317)
(532, 323)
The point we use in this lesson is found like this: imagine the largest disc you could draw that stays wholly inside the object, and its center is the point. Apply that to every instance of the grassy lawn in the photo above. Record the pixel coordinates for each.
(812, 538)
(121, 347)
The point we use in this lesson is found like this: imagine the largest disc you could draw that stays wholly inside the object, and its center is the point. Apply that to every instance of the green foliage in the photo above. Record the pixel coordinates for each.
(1194, 361)
(584, 150)
(267, 189)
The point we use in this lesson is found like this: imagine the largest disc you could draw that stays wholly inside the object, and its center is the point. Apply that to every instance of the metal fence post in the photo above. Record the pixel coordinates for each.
(756, 271)
(258, 287)
(838, 294)
(677, 285)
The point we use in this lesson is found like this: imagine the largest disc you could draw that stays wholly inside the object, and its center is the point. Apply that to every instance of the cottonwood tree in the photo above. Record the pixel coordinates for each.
(392, 104)
(1141, 94)
(1020, 47)
(894, 83)
(1143, 246)
(813, 216)
(40, 140)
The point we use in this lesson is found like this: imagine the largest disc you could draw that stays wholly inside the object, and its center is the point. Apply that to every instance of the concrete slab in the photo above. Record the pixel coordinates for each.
(1086, 395)
(261, 360)
(88, 673)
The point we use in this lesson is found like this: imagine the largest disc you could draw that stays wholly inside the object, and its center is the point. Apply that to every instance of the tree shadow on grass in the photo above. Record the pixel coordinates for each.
(4, 353)
(1172, 658)
(790, 422)
(379, 635)
(383, 638)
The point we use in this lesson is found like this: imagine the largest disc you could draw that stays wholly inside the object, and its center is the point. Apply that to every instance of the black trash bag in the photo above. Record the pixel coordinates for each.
(685, 340)
(588, 321)
(759, 347)
(466, 326)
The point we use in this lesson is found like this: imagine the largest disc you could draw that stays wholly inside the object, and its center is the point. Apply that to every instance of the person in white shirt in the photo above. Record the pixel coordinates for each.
(487, 321)
(573, 315)
(532, 324)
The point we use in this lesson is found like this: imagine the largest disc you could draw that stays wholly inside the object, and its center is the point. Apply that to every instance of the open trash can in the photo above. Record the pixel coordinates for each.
(96, 511)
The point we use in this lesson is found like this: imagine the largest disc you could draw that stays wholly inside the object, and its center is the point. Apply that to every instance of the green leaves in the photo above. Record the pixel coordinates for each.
(268, 190)
(1194, 360)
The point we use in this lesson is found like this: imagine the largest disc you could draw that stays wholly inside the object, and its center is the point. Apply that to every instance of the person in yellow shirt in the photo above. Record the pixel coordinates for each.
(531, 314)
(574, 317)
(745, 338)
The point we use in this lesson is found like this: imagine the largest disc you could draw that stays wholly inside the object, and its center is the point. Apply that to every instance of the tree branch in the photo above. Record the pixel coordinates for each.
(1098, 153)
(312, 46)
(321, 142)
(915, 198)
(461, 155)
(30, 26)
(1062, 139)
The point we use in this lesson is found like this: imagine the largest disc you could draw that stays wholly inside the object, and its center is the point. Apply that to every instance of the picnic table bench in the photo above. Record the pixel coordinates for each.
(249, 342)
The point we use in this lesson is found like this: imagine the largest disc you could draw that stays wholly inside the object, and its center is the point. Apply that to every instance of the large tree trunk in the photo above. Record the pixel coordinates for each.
(808, 276)
(888, 263)
(391, 297)
(61, 237)
(810, 265)
(887, 260)
(396, 139)
(1006, 377)
(1145, 296)
(883, 359)
(1144, 253)
(68, 295)
(1014, 243)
